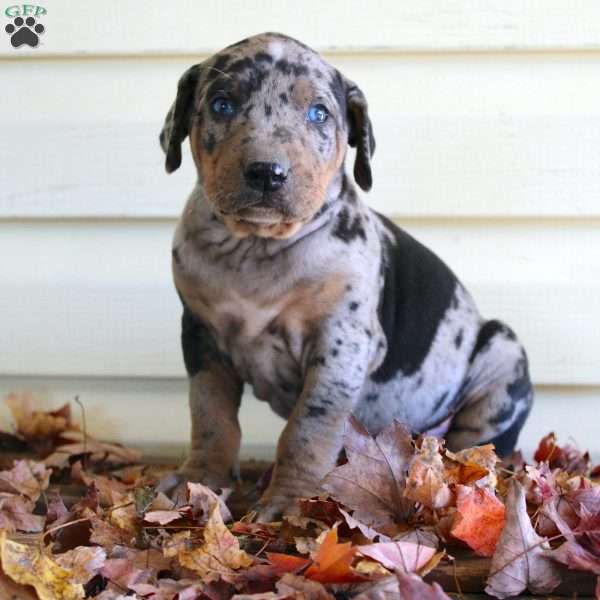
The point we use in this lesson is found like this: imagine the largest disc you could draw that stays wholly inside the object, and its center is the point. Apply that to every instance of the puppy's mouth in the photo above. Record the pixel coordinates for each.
(258, 216)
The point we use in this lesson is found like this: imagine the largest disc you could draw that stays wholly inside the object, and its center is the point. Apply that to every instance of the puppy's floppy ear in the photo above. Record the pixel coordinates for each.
(178, 120)
(360, 134)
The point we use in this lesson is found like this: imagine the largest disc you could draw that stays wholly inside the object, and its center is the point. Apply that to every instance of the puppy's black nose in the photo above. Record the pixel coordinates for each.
(265, 177)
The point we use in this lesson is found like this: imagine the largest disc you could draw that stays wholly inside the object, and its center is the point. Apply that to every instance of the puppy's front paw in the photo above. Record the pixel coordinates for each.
(272, 508)
(175, 484)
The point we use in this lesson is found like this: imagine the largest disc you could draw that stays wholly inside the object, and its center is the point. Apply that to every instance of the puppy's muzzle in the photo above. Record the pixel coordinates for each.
(265, 176)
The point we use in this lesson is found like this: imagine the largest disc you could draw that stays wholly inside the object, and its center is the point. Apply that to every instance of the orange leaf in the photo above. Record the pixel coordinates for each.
(479, 519)
(333, 561)
(286, 563)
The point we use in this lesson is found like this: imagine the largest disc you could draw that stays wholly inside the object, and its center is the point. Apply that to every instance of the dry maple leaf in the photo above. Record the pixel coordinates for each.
(332, 562)
(16, 514)
(567, 457)
(399, 555)
(110, 491)
(427, 481)
(287, 563)
(96, 451)
(479, 519)
(371, 483)
(35, 425)
(519, 561)
(473, 465)
(29, 565)
(201, 498)
(124, 573)
(82, 562)
(402, 586)
(581, 550)
(291, 587)
(27, 477)
(220, 554)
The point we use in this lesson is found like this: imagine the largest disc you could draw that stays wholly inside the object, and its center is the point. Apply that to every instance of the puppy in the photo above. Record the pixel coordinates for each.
(290, 283)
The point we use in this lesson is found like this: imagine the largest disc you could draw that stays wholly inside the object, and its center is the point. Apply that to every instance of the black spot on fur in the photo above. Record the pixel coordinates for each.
(347, 230)
(268, 110)
(248, 109)
(353, 305)
(334, 352)
(315, 411)
(283, 97)
(368, 332)
(217, 68)
(458, 339)
(521, 386)
(485, 335)
(318, 360)
(372, 398)
(209, 143)
(338, 342)
(198, 345)
(290, 68)
(245, 140)
(418, 288)
(263, 57)
(338, 89)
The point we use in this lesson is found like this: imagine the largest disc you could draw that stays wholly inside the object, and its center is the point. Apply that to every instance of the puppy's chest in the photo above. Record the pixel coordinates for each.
(267, 336)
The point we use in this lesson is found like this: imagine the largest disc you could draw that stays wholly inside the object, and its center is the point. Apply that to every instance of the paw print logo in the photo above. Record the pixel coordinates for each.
(24, 31)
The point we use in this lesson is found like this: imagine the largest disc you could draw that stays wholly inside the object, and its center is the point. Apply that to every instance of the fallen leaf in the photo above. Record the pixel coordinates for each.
(367, 531)
(402, 586)
(218, 556)
(287, 563)
(412, 587)
(332, 563)
(9, 589)
(16, 514)
(473, 465)
(371, 483)
(567, 457)
(35, 425)
(95, 451)
(427, 482)
(479, 519)
(291, 587)
(405, 556)
(124, 573)
(163, 517)
(27, 477)
(82, 562)
(300, 588)
(28, 565)
(519, 561)
(201, 499)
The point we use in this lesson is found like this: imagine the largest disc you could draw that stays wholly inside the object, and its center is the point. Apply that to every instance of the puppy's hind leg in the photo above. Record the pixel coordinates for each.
(496, 395)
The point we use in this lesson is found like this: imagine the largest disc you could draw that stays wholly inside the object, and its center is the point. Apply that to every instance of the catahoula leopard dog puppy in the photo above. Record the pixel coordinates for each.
(290, 283)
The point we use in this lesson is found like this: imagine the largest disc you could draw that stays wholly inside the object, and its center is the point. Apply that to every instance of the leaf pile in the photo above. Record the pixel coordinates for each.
(387, 517)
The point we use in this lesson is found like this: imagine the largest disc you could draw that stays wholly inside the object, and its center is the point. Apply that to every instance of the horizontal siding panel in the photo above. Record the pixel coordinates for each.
(457, 136)
(96, 299)
(154, 415)
(186, 26)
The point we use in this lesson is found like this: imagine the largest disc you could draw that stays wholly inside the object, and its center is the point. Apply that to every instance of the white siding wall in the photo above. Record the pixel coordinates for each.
(487, 118)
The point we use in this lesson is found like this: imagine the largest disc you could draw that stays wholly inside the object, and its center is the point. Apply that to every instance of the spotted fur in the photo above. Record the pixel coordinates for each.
(323, 306)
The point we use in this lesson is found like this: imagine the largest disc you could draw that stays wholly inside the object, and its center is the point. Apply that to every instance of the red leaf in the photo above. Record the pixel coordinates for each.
(287, 563)
(479, 519)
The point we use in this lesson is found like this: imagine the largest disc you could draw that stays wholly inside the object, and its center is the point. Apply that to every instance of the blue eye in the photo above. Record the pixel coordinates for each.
(222, 106)
(318, 113)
